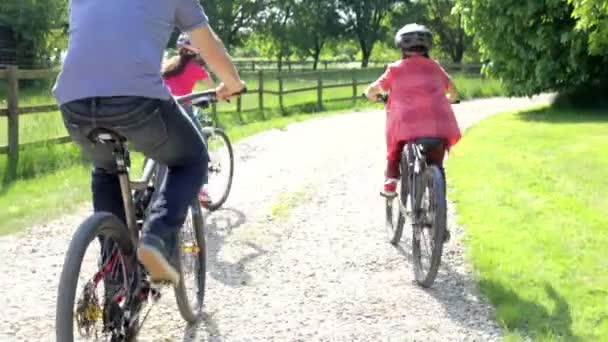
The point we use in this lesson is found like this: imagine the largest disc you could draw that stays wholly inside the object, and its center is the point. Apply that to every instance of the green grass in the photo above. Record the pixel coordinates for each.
(530, 190)
(287, 201)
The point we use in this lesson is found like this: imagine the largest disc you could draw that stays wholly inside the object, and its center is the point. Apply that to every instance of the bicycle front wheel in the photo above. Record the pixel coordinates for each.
(429, 232)
(191, 263)
(92, 287)
(221, 166)
(394, 220)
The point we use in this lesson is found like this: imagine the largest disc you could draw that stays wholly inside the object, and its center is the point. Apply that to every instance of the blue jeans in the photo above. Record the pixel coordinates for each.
(158, 129)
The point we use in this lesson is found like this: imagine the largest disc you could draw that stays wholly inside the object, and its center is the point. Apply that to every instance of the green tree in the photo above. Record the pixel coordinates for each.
(40, 32)
(592, 17)
(365, 21)
(276, 29)
(314, 24)
(533, 46)
(233, 19)
(448, 27)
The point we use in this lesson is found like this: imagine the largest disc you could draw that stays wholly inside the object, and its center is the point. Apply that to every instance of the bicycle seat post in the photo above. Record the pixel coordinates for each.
(122, 162)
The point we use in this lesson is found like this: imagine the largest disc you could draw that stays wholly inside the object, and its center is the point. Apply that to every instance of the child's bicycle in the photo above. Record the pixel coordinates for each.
(221, 156)
(425, 206)
(102, 294)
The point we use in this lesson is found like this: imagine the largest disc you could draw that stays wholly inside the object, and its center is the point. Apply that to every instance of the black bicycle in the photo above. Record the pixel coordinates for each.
(102, 294)
(424, 205)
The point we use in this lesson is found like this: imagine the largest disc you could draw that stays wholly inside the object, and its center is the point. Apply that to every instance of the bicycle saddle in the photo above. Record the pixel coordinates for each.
(105, 136)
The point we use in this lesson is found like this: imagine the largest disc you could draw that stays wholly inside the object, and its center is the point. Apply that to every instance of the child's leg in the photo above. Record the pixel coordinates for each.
(392, 168)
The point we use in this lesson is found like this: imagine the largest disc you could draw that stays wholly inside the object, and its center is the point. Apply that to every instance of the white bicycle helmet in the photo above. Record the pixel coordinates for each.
(414, 36)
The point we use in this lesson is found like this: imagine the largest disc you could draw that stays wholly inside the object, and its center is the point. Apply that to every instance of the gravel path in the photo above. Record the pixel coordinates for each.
(299, 253)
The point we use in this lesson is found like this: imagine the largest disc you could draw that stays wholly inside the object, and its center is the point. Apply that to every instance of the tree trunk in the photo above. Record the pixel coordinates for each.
(315, 56)
(366, 54)
(457, 54)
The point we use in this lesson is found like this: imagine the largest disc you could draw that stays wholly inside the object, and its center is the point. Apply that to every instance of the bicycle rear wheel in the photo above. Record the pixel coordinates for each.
(221, 166)
(86, 278)
(191, 263)
(429, 232)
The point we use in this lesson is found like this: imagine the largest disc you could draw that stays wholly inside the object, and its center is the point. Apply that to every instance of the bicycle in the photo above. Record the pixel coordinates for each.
(218, 145)
(425, 205)
(126, 287)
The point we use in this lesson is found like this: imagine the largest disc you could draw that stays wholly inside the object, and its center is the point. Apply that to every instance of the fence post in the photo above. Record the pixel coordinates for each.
(325, 64)
(261, 92)
(239, 109)
(252, 65)
(214, 114)
(289, 65)
(280, 78)
(13, 121)
(319, 91)
(355, 95)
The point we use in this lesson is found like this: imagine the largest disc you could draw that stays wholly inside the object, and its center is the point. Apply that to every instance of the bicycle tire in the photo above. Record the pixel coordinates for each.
(217, 203)
(188, 312)
(394, 225)
(433, 177)
(192, 311)
(98, 224)
(395, 228)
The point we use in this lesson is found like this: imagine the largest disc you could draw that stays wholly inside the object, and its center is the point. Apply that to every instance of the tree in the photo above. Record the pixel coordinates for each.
(448, 28)
(231, 19)
(275, 29)
(533, 45)
(40, 33)
(592, 17)
(365, 21)
(314, 24)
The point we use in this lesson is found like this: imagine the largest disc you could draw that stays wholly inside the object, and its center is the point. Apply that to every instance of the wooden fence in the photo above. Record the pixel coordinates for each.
(12, 75)
(288, 65)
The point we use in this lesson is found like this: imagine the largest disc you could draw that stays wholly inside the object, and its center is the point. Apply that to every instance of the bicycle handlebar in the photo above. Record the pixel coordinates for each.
(203, 98)
(384, 99)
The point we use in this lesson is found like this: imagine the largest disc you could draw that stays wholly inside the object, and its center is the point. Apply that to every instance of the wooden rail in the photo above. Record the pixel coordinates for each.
(13, 111)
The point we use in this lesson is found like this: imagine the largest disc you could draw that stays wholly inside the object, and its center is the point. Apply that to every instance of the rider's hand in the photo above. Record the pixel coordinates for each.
(224, 92)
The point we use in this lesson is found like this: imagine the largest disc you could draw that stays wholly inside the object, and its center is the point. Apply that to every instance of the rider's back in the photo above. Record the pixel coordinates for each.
(116, 47)
(417, 104)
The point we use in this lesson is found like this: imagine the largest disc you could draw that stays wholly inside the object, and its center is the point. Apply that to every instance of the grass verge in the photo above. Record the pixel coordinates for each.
(530, 189)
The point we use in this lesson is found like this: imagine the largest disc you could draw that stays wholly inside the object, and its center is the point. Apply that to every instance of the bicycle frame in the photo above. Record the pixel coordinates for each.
(414, 169)
(121, 155)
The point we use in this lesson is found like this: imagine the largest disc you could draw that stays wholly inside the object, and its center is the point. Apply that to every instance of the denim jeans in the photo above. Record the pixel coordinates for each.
(158, 129)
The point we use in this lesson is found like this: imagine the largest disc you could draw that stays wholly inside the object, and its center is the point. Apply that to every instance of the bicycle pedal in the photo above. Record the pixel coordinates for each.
(389, 196)
(155, 294)
(447, 236)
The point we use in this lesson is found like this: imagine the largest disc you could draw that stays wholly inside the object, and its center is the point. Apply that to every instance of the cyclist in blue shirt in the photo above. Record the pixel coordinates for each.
(111, 79)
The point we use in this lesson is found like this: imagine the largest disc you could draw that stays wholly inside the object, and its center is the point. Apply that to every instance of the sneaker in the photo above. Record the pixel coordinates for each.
(154, 254)
(204, 198)
(390, 187)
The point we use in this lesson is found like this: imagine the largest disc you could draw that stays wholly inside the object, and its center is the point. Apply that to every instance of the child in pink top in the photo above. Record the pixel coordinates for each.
(180, 74)
(417, 105)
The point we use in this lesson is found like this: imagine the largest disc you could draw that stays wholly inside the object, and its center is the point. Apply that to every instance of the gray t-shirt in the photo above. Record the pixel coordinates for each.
(116, 47)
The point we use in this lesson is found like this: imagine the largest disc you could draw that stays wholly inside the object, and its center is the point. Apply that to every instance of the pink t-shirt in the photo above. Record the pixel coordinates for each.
(418, 107)
(183, 84)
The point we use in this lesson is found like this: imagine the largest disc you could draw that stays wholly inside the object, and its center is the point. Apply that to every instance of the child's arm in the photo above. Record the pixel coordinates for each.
(452, 92)
(383, 84)
(373, 91)
(449, 84)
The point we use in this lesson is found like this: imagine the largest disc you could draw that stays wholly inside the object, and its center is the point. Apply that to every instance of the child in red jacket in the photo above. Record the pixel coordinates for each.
(417, 105)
